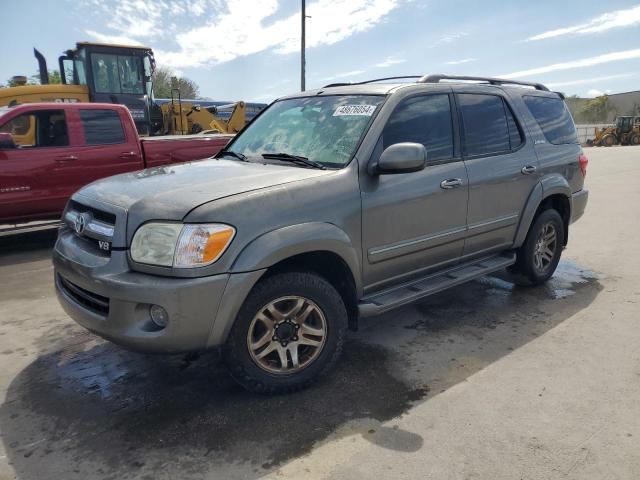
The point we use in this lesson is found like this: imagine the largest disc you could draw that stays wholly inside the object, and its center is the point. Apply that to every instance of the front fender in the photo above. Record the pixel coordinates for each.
(282, 243)
(547, 186)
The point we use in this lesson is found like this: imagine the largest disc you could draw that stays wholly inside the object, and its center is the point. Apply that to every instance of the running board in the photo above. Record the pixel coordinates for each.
(409, 292)
(14, 229)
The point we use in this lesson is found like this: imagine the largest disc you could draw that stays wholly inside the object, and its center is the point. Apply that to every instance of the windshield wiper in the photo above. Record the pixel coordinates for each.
(287, 157)
(231, 153)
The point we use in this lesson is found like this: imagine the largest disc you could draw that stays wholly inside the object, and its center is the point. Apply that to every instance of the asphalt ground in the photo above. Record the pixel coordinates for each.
(484, 381)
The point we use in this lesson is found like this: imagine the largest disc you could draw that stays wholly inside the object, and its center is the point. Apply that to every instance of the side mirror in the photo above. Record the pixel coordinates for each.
(403, 157)
(6, 140)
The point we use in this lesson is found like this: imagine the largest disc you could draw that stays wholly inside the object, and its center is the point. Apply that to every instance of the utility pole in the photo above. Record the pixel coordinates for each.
(302, 49)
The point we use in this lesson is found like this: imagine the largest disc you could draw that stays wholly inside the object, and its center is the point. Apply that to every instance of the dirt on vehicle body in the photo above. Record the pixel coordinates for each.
(333, 204)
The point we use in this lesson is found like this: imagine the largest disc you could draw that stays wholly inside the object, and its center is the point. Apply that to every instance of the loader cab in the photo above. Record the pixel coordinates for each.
(624, 125)
(114, 74)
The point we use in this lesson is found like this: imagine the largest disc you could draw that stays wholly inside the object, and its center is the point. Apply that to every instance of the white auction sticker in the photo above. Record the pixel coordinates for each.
(364, 110)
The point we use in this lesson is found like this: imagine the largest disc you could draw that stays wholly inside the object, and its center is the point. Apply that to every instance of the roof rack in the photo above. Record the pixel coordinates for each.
(436, 78)
(345, 84)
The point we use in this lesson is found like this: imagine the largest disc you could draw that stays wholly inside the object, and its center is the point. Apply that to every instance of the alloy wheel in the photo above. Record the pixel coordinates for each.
(287, 335)
(545, 247)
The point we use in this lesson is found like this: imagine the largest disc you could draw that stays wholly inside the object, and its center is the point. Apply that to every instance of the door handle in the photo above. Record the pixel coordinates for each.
(451, 183)
(127, 154)
(528, 169)
(66, 158)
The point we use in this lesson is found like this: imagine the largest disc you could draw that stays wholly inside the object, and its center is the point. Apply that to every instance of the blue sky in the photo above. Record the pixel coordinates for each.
(249, 50)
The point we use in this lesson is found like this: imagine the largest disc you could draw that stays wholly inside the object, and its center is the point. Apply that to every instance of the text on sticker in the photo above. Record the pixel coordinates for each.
(366, 110)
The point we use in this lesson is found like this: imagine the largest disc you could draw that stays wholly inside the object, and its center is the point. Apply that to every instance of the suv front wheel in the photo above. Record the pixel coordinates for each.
(289, 331)
(538, 257)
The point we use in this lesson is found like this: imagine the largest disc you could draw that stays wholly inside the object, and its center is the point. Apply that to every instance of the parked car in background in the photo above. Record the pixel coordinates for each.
(50, 150)
(333, 204)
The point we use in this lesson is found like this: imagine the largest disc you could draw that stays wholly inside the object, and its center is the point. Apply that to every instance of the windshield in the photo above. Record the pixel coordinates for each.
(326, 130)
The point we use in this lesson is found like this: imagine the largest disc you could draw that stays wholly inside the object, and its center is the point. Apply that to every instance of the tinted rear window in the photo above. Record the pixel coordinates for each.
(553, 117)
(102, 127)
(485, 124)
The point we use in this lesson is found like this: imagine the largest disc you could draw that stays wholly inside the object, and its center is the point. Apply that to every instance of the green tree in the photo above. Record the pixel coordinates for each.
(164, 79)
(596, 110)
(54, 77)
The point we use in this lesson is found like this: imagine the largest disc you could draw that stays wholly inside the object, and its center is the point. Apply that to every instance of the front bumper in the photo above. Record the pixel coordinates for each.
(104, 296)
(578, 204)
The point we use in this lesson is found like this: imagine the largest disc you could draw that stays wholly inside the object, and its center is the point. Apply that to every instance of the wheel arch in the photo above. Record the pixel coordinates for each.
(551, 192)
(319, 247)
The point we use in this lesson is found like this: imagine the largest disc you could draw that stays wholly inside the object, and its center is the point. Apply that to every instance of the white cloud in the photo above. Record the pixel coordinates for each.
(585, 62)
(220, 31)
(587, 81)
(390, 61)
(449, 38)
(597, 93)
(460, 62)
(116, 39)
(607, 21)
(352, 73)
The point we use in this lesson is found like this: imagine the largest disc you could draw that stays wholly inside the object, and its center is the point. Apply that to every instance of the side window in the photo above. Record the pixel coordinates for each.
(553, 117)
(486, 129)
(425, 120)
(515, 135)
(102, 127)
(42, 128)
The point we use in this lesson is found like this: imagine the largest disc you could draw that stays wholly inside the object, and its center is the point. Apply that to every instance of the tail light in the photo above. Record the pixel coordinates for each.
(584, 161)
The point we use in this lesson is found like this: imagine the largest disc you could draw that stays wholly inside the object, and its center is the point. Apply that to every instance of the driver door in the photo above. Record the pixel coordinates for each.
(415, 222)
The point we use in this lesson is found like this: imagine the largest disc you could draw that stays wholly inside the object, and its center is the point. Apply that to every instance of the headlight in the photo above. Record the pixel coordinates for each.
(180, 245)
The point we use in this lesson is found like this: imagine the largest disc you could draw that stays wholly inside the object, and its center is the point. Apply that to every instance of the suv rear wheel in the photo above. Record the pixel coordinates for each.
(538, 257)
(289, 331)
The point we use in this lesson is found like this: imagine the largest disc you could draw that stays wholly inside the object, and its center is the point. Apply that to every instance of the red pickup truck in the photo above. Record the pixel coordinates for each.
(50, 150)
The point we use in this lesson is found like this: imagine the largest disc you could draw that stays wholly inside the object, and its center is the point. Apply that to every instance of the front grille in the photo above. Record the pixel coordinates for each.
(105, 217)
(89, 300)
(98, 227)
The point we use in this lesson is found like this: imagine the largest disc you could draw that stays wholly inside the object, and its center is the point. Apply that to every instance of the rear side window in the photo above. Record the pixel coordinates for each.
(102, 127)
(553, 117)
(515, 135)
(485, 124)
(425, 120)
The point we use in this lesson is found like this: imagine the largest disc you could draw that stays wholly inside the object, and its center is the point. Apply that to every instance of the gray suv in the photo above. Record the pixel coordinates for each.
(331, 205)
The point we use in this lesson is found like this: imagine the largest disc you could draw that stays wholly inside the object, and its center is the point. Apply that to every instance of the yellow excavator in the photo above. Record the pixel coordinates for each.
(97, 72)
(626, 131)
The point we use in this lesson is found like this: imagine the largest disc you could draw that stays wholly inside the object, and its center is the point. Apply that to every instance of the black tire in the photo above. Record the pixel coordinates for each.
(240, 361)
(635, 140)
(609, 140)
(525, 271)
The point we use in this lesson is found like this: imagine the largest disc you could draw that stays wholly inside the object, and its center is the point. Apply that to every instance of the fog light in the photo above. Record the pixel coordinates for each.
(159, 315)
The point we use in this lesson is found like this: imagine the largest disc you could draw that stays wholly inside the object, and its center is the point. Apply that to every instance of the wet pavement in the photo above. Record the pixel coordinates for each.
(84, 407)
(77, 407)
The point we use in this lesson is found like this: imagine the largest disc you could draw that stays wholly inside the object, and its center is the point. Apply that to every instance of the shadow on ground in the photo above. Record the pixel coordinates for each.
(27, 247)
(88, 409)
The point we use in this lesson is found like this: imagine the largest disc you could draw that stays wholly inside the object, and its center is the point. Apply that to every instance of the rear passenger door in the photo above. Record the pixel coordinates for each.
(502, 170)
(108, 148)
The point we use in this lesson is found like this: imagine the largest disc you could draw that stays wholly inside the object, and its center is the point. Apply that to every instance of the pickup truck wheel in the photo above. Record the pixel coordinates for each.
(289, 331)
(538, 257)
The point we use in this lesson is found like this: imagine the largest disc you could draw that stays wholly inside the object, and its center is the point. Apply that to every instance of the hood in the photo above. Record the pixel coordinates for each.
(172, 191)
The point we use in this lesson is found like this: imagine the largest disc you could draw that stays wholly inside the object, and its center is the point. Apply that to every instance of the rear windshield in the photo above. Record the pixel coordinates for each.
(553, 117)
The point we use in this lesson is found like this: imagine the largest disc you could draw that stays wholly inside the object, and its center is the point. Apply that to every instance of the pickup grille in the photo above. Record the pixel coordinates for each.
(91, 301)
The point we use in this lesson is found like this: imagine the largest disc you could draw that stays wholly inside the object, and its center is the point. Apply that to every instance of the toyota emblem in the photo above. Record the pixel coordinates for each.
(80, 223)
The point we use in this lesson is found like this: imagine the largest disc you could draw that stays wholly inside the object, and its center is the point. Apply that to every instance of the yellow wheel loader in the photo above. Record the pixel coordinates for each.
(626, 131)
(96, 72)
